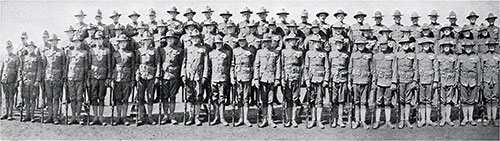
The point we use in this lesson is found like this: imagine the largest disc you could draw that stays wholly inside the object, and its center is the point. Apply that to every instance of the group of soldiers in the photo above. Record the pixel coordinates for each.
(363, 68)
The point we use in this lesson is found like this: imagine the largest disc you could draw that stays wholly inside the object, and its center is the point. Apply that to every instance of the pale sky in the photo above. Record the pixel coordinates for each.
(56, 15)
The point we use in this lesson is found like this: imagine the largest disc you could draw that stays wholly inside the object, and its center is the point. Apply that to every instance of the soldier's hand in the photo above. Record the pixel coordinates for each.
(435, 85)
(203, 80)
(107, 82)
(255, 83)
(157, 82)
(36, 84)
(283, 83)
(393, 87)
(325, 84)
(349, 86)
(308, 83)
(233, 81)
(276, 83)
(184, 80)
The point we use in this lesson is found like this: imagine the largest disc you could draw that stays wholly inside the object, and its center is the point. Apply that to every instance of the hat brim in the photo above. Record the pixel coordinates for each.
(445, 27)
(134, 15)
(335, 14)
(282, 13)
(414, 17)
(262, 12)
(54, 39)
(115, 15)
(491, 18)
(426, 42)
(228, 14)
(317, 15)
(170, 11)
(243, 12)
(76, 15)
(400, 15)
(194, 13)
(384, 31)
(472, 16)
(378, 16)
(206, 11)
(357, 15)
(433, 15)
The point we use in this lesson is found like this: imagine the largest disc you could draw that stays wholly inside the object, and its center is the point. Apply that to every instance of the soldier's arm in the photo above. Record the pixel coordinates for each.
(87, 65)
(479, 70)
(436, 70)
(184, 61)
(375, 74)
(39, 70)
(43, 63)
(64, 62)
(232, 71)
(327, 68)
(349, 76)
(278, 68)
(256, 66)
(396, 68)
(157, 63)
(415, 70)
(457, 69)
(306, 68)
(1, 70)
(205, 64)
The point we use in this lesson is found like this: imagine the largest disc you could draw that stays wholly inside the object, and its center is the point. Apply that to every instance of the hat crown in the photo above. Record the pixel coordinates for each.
(291, 36)
(304, 13)
(292, 23)
(24, 33)
(425, 26)
(32, 44)
(414, 14)
(45, 33)
(152, 11)
(397, 13)
(434, 13)
(272, 21)
(218, 39)
(241, 36)
(173, 8)
(246, 10)
(315, 22)
(378, 14)
(80, 13)
(8, 43)
(359, 13)
(226, 12)
(491, 15)
(207, 9)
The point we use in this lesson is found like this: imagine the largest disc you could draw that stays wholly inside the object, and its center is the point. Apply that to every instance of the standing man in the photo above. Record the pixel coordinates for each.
(31, 74)
(222, 27)
(448, 80)
(173, 24)
(101, 26)
(384, 81)
(115, 16)
(415, 27)
(472, 17)
(316, 67)
(194, 74)
(435, 26)
(100, 76)
(123, 64)
(355, 32)
(152, 25)
(396, 33)
(241, 77)
(9, 79)
(77, 78)
(266, 77)
(426, 75)
(340, 16)
(304, 26)
(292, 60)
(208, 18)
(189, 14)
(132, 28)
(407, 82)
(81, 26)
(339, 63)
(220, 67)
(492, 28)
(490, 62)
(378, 17)
(262, 23)
(323, 26)
(469, 70)
(242, 26)
(360, 67)
(170, 62)
(146, 77)
(283, 24)
(54, 59)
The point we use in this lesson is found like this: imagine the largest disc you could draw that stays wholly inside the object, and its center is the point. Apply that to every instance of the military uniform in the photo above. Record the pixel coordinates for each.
(9, 80)
(292, 61)
(338, 59)
(99, 75)
(170, 60)
(31, 75)
(174, 24)
(124, 66)
(220, 68)
(360, 67)
(242, 26)
(426, 76)
(147, 60)
(447, 69)
(407, 81)
(242, 75)
(316, 67)
(222, 27)
(78, 66)
(355, 32)
(490, 63)
(55, 73)
(493, 29)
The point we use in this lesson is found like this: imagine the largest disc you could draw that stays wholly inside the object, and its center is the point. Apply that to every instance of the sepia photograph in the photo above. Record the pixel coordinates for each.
(249, 70)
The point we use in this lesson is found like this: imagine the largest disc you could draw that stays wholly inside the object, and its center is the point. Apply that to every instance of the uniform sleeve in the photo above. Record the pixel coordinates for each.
(278, 67)
(256, 66)
(157, 62)
(415, 70)
(436, 70)
(109, 64)
(39, 69)
(205, 64)
(184, 60)
(1, 70)
(457, 69)
(87, 65)
(43, 62)
(327, 68)
(396, 68)
(112, 67)
(350, 70)
(306, 67)
(233, 65)
(479, 69)
(375, 74)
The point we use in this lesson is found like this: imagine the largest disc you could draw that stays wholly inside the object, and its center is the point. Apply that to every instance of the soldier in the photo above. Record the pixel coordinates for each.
(115, 16)
(415, 27)
(472, 17)
(9, 79)
(304, 26)
(338, 33)
(340, 15)
(453, 23)
(91, 30)
(185, 40)
(397, 26)
(101, 26)
(54, 62)
(384, 81)
(434, 25)
(407, 81)
(367, 35)
(162, 30)
(118, 30)
(194, 74)
(316, 67)
(447, 80)
(30, 72)
(492, 28)
(266, 77)
(123, 66)
(253, 37)
(464, 36)
(323, 26)
(231, 38)
(222, 27)
(469, 69)
(100, 77)
(293, 29)
(173, 24)
(241, 77)
(490, 62)
(338, 59)
(378, 17)
(360, 67)
(189, 14)
(152, 24)
(292, 60)
(426, 75)
(171, 56)
(45, 46)
(66, 43)
(146, 77)
(315, 33)
(262, 13)
(77, 78)
(131, 29)
(210, 32)
(220, 67)
(447, 35)
(355, 32)
(208, 15)
(242, 26)
(81, 26)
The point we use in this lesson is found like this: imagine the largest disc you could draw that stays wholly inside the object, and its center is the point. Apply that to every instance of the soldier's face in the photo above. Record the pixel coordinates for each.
(246, 16)
(122, 44)
(338, 45)
(9, 49)
(252, 29)
(210, 28)
(195, 39)
(472, 19)
(361, 47)
(414, 20)
(426, 32)
(80, 18)
(366, 32)
(91, 31)
(134, 18)
(115, 18)
(340, 17)
(147, 42)
(360, 19)
(446, 48)
(266, 44)
(24, 39)
(468, 50)
(378, 20)
(383, 46)
(173, 14)
(406, 46)
(218, 45)
(231, 29)
(262, 16)
(426, 46)
(491, 48)
(69, 34)
(190, 27)
(208, 15)
(491, 21)
(293, 29)
(484, 33)
(162, 29)
(466, 34)
(53, 43)
(453, 20)
(317, 45)
(283, 17)
(447, 32)
(242, 43)
(433, 18)
(152, 17)
(292, 42)
(170, 40)
(337, 30)
(304, 18)
(397, 19)
(322, 17)
(315, 30)
(226, 17)
(31, 49)
(98, 18)
(272, 27)
(99, 41)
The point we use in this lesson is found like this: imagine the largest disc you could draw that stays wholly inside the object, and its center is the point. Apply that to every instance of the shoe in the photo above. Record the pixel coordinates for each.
(93, 122)
(450, 123)
(294, 124)
(81, 122)
(365, 125)
(333, 125)
(151, 121)
(197, 122)
(56, 122)
(104, 123)
(485, 123)
(311, 125)
(247, 123)
(127, 123)
(215, 121)
(495, 123)
(442, 123)
(473, 123)
(190, 121)
(139, 123)
(174, 122)
(430, 123)
(375, 125)
(49, 120)
(320, 125)
(33, 120)
(463, 123)
(390, 125)
(3, 117)
(355, 125)
(401, 125)
(10, 118)
(420, 124)
(224, 122)
(239, 123)
(25, 119)
(287, 124)
(408, 124)
(272, 124)
(164, 121)
(341, 123)
(114, 123)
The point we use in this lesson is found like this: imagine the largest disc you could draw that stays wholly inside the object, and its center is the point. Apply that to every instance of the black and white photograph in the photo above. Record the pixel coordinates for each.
(249, 70)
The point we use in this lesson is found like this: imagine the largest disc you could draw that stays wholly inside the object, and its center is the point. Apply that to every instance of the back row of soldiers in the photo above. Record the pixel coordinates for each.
(362, 67)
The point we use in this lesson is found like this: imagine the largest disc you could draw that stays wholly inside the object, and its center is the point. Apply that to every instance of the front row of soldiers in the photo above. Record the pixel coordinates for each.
(362, 80)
